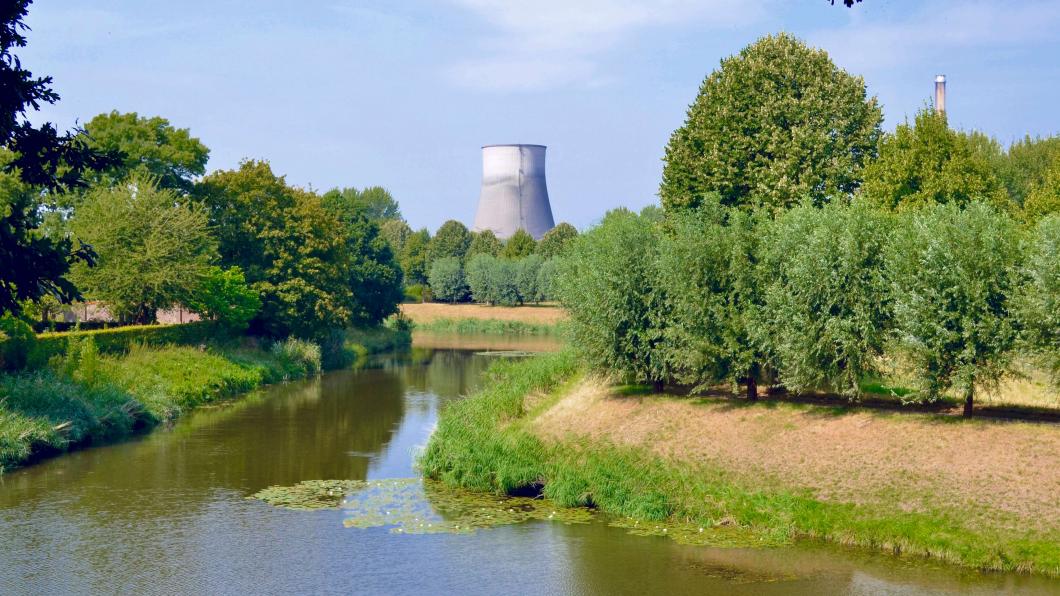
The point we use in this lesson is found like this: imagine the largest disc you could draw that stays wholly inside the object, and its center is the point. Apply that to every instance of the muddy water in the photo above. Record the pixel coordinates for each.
(167, 513)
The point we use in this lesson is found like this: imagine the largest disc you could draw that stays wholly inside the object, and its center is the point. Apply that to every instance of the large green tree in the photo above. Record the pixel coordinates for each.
(33, 158)
(1044, 198)
(556, 240)
(375, 202)
(484, 243)
(1039, 301)
(927, 162)
(954, 275)
(154, 248)
(148, 145)
(521, 244)
(374, 275)
(447, 279)
(775, 124)
(287, 246)
(451, 240)
(414, 257)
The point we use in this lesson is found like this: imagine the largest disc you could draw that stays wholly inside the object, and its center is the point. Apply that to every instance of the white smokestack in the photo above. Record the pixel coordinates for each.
(940, 94)
(514, 195)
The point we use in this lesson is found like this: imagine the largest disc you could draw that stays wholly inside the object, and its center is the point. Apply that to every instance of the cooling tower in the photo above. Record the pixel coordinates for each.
(513, 193)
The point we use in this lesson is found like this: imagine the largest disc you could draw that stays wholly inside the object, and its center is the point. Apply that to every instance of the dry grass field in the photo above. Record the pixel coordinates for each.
(1004, 471)
(433, 311)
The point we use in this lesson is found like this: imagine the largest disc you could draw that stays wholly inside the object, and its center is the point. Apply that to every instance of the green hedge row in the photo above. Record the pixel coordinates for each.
(118, 339)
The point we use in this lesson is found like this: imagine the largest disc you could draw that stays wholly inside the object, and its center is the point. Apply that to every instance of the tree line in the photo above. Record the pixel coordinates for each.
(123, 211)
(802, 247)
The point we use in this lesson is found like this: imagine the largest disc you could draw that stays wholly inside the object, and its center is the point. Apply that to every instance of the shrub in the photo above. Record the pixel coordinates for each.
(826, 314)
(18, 344)
(953, 274)
(119, 339)
(417, 293)
(447, 279)
(225, 297)
(299, 353)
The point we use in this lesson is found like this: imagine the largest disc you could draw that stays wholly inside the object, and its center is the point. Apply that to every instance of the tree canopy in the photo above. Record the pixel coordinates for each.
(556, 240)
(926, 163)
(451, 240)
(484, 243)
(519, 245)
(775, 124)
(146, 145)
(375, 202)
(154, 249)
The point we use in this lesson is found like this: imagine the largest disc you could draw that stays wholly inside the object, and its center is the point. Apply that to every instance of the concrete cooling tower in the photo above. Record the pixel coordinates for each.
(513, 193)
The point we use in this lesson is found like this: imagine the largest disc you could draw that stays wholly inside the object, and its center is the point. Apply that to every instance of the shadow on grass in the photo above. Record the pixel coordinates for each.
(944, 410)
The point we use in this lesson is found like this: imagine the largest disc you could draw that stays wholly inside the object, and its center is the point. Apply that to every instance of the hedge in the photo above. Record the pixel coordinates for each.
(118, 339)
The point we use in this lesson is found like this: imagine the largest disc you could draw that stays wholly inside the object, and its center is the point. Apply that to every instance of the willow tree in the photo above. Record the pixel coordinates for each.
(775, 124)
(606, 282)
(1039, 304)
(707, 264)
(954, 274)
(826, 312)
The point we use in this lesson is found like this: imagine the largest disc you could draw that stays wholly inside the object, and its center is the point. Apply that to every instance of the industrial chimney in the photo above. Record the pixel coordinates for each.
(940, 94)
(513, 193)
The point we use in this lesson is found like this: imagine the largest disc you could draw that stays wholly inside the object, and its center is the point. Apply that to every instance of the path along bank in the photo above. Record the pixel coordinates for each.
(977, 493)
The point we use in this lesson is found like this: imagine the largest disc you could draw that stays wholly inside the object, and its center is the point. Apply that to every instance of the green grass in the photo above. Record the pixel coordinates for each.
(490, 327)
(484, 443)
(91, 398)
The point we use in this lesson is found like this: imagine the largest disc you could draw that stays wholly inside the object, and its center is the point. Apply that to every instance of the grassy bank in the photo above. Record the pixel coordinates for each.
(490, 327)
(88, 398)
(493, 442)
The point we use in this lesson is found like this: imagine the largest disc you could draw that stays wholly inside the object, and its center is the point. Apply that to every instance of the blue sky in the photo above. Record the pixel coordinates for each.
(403, 93)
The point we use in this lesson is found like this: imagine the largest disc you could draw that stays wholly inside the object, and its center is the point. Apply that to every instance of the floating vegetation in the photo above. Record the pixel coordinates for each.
(415, 506)
(719, 536)
(418, 506)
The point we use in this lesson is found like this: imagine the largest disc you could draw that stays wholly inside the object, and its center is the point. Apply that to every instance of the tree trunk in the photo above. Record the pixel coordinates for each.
(968, 398)
(657, 386)
(752, 389)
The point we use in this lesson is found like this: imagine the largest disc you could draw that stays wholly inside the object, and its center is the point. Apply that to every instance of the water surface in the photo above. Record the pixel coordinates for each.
(167, 513)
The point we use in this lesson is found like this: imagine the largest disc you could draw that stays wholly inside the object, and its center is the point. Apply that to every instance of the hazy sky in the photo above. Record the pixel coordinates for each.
(403, 93)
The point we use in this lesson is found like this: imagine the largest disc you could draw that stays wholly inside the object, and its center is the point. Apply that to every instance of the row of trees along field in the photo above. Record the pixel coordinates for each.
(802, 247)
(456, 264)
(123, 212)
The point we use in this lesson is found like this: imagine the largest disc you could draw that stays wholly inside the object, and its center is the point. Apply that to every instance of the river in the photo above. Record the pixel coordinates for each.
(167, 513)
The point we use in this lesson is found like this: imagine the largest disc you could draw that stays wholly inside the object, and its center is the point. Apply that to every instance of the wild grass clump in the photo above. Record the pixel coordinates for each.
(486, 443)
(42, 411)
(300, 354)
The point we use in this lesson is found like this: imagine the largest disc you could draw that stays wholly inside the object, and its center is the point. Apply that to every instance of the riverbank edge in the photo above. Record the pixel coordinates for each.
(486, 443)
(469, 326)
(110, 413)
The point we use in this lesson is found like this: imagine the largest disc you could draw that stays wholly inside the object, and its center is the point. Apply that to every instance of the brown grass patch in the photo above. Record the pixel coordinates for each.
(1004, 471)
(432, 311)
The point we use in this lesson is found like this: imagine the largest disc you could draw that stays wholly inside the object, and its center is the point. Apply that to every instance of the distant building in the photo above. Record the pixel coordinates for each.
(514, 195)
